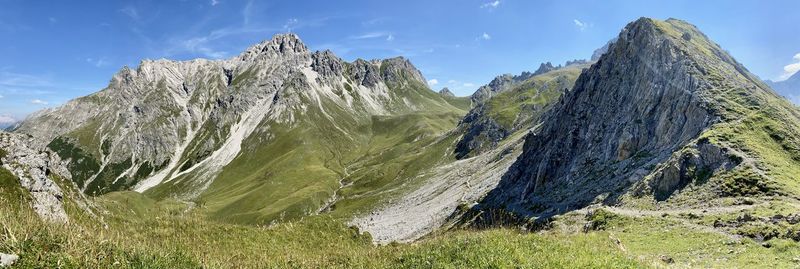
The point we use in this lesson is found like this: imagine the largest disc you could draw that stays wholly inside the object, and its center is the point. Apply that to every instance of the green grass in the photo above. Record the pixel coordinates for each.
(142, 233)
(537, 92)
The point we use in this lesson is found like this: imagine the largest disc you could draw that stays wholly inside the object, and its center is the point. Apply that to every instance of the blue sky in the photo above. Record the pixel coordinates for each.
(53, 51)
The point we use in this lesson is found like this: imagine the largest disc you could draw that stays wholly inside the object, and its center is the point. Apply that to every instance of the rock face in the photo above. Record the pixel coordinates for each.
(647, 98)
(35, 170)
(515, 104)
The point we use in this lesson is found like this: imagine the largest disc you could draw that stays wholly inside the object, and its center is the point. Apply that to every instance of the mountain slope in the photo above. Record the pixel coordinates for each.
(665, 114)
(268, 134)
(515, 104)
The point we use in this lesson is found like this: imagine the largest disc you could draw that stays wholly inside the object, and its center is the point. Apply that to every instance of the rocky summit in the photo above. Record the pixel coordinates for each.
(661, 150)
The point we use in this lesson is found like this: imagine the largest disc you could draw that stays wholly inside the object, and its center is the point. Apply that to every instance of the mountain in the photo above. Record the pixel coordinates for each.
(514, 106)
(789, 88)
(506, 81)
(273, 133)
(665, 116)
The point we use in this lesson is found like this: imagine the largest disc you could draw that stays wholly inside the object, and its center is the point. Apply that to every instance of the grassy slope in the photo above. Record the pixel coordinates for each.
(537, 91)
(286, 172)
(144, 233)
(167, 236)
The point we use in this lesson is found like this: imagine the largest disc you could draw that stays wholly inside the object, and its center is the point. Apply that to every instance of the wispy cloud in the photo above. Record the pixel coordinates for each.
(97, 62)
(247, 12)
(290, 23)
(791, 69)
(1, 96)
(39, 102)
(131, 12)
(371, 35)
(491, 5)
(214, 2)
(433, 82)
(52, 20)
(485, 36)
(468, 84)
(581, 24)
(200, 45)
(9, 79)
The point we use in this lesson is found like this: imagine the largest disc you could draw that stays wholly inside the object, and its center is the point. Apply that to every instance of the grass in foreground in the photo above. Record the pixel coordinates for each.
(167, 236)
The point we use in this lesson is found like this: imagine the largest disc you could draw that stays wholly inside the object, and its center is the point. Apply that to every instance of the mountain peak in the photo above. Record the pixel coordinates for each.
(284, 43)
(446, 92)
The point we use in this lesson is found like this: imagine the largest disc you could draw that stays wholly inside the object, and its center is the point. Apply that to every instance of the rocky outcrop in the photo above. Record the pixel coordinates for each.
(694, 164)
(35, 170)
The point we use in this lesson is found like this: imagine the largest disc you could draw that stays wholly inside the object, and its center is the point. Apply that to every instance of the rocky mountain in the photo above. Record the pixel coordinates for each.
(514, 106)
(789, 88)
(664, 115)
(253, 137)
(505, 82)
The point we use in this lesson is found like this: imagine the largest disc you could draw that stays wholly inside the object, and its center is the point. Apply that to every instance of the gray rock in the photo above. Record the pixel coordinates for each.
(7, 260)
(34, 168)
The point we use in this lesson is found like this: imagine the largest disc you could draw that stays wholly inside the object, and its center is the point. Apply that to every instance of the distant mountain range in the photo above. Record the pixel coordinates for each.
(789, 88)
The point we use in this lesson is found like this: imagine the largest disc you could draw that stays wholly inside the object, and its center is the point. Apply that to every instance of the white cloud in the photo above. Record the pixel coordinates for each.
(6, 120)
(131, 12)
(791, 69)
(374, 35)
(97, 62)
(485, 36)
(491, 5)
(290, 23)
(469, 84)
(214, 2)
(39, 102)
(581, 25)
(1, 96)
(433, 82)
(199, 45)
(452, 81)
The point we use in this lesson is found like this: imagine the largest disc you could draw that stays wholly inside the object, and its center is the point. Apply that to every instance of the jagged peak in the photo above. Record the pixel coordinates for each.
(446, 92)
(283, 43)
